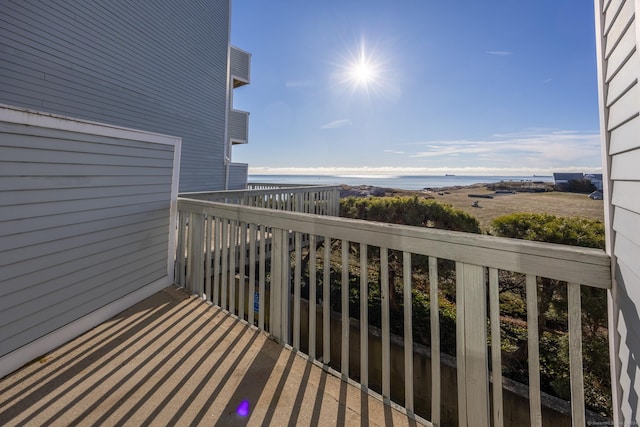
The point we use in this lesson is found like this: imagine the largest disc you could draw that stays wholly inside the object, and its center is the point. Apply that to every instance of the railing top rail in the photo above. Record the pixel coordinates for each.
(275, 184)
(257, 192)
(586, 266)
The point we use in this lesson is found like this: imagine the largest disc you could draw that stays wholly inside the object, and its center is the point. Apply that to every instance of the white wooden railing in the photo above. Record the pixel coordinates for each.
(271, 185)
(211, 233)
(319, 200)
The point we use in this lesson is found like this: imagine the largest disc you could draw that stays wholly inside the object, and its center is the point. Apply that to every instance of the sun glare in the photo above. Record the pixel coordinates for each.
(363, 72)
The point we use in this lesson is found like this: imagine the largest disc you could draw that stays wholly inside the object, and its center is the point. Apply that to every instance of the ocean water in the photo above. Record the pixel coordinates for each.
(393, 181)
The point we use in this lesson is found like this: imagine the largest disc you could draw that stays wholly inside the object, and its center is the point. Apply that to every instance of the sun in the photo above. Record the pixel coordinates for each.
(362, 72)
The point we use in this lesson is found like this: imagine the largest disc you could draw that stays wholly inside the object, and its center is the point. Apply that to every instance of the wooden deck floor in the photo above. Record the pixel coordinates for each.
(175, 360)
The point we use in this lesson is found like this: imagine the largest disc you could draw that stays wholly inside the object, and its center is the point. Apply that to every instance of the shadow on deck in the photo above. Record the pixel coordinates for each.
(175, 360)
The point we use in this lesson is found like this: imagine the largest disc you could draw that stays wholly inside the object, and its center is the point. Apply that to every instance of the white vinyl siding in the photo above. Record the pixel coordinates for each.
(157, 66)
(619, 72)
(84, 221)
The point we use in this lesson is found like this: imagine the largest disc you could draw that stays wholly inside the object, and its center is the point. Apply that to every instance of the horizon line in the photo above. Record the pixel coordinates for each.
(414, 171)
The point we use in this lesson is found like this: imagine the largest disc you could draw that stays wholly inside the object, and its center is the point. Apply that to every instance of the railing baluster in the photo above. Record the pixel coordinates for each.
(344, 363)
(460, 347)
(285, 287)
(408, 332)
(241, 269)
(386, 349)
(198, 254)
(225, 263)
(233, 247)
(297, 279)
(207, 271)
(217, 244)
(180, 255)
(312, 296)
(261, 277)
(496, 359)
(435, 340)
(189, 246)
(252, 272)
(274, 286)
(364, 317)
(535, 411)
(326, 290)
(575, 354)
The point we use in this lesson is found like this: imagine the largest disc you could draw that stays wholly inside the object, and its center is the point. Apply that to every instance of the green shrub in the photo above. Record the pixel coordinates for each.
(552, 306)
(575, 231)
(409, 211)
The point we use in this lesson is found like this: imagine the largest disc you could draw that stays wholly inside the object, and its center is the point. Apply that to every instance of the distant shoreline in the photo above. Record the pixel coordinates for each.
(410, 183)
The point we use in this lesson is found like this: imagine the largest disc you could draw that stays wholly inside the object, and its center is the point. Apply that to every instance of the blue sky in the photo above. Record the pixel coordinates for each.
(494, 87)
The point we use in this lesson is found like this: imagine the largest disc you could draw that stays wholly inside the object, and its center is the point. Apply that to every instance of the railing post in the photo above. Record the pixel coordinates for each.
(195, 270)
(180, 249)
(280, 286)
(471, 346)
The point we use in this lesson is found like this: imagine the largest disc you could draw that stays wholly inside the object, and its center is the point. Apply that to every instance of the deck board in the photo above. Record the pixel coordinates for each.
(174, 360)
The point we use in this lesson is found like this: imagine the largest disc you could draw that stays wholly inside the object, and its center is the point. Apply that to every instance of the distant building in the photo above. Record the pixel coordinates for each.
(564, 178)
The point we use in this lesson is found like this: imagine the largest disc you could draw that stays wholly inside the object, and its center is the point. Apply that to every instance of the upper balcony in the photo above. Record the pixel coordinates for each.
(238, 127)
(239, 66)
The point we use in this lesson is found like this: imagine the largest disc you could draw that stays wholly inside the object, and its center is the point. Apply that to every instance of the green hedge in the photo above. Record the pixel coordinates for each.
(552, 306)
(574, 231)
(409, 211)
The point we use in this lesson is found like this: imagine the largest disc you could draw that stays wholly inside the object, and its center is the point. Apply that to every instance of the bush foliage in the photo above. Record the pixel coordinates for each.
(552, 306)
(574, 231)
(409, 211)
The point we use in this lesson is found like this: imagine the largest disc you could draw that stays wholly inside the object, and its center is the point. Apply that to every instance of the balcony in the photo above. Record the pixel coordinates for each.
(270, 263)
(238, 127)
(239, 66)
(176, 360)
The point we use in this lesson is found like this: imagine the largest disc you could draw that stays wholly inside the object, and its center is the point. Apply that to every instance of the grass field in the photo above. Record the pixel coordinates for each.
(555, 203)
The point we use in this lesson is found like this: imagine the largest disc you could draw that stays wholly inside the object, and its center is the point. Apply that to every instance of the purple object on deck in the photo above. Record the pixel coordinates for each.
(243, 408)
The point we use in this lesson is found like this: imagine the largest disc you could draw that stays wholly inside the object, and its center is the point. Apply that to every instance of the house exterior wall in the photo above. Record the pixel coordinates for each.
(158, 66)
(86, 213)
(618, 39)
(238, 176)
